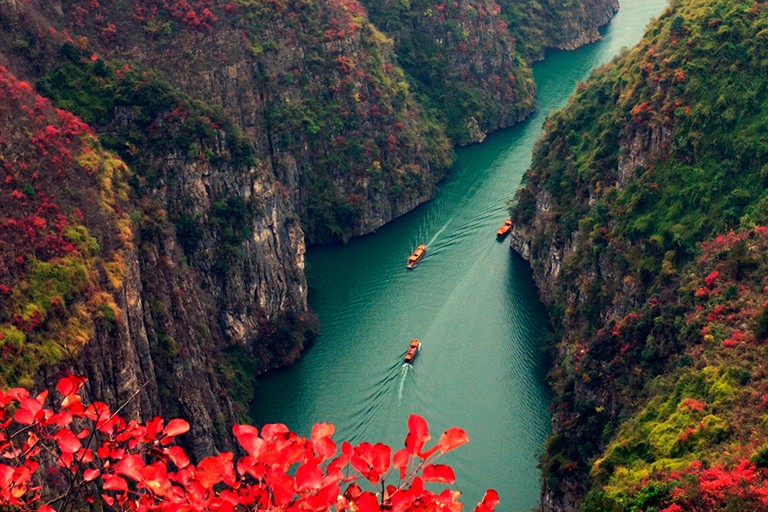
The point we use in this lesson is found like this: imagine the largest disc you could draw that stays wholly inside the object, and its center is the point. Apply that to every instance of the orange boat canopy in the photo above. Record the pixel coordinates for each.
(413, 348)
(503, 230)
(416, 256)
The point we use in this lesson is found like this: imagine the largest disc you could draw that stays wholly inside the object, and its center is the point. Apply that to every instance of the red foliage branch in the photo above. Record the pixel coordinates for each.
(75, 454)
(39, 144)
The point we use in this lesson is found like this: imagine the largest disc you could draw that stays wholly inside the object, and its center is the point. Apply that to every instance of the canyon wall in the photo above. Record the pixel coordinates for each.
(642, 218)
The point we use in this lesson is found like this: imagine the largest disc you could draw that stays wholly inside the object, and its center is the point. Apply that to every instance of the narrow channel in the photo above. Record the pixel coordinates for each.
(471, 302)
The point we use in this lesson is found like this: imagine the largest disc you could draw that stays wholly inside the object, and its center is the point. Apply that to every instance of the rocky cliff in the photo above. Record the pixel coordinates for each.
(312, 85)
(209, 263)
(463, 58)
(657, 153)
(469, 59)
(537, 26)
(317, 88)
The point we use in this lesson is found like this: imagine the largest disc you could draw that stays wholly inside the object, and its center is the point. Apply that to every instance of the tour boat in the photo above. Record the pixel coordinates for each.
(416, 256)
(413, 348)
(505, 229)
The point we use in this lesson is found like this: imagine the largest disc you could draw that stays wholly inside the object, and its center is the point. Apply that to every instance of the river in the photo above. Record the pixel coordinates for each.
(471, 301)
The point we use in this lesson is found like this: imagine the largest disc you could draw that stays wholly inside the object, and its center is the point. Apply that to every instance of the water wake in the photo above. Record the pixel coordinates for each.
(440, 231)
(403, 375)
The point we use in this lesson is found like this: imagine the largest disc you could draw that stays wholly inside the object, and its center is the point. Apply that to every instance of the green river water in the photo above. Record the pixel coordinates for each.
(471, 301)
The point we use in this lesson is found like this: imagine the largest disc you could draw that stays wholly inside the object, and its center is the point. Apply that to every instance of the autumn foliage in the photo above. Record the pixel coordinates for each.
(59, 191)
(65, 454)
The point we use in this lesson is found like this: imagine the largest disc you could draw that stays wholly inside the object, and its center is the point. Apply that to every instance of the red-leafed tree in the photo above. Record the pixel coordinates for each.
(74, 455)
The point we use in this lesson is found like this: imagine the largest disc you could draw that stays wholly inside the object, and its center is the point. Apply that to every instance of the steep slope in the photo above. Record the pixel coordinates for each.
(59, 189)
(463, 59)
(318, 89)
(115, 297)
(469, 58)
(313, 85)
(653, 156)
(537, 25)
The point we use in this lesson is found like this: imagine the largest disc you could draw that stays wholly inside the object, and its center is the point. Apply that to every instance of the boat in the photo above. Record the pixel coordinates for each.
(504, 230)
(413, 348)
(416, 256)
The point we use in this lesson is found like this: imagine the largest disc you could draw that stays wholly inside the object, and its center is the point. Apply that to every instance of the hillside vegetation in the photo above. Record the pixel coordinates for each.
(64, 233)
(643, 218)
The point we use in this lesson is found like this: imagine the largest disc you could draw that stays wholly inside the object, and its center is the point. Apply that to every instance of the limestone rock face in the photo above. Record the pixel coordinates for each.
(584, 21)
(180, 318)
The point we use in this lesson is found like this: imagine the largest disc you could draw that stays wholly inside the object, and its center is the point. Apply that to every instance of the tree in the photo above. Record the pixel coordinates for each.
(75, 455)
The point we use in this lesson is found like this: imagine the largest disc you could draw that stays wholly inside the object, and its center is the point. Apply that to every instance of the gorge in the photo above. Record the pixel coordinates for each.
(470, 301)
(155, 211)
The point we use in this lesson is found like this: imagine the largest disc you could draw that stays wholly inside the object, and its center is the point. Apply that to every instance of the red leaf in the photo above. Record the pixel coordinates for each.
(70, 385)
(45, 508)
(360, 463)
(325, 448)
(91, 474)
(99, 412)
(70, 401)
(273, 431)
(42, 397)
(32, 405)
(400, 461)
(367, 502)
(213, 470)
(154, 426)
(309, 476)
(155, 478)
(283, 489)
(24, 417)
(115, 483)
(452, 438)
(371, 460)
(339, 462)
(6, 475)
(417, 487)
(418, 434)
(238, 430)
(130, 466)
(439, 473)
(84, 456)
(381, 457)
(490, 500)
(249, 439)
(176, 427)
(178, 456)
(66, 460)
(325, 498)
(449, 498)
(321, 430)
(18, 394)
(68, 442)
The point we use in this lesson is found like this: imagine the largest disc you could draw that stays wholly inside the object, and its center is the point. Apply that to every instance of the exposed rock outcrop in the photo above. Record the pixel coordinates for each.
(581, 23)
(463, 57)
(314, 87)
